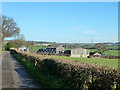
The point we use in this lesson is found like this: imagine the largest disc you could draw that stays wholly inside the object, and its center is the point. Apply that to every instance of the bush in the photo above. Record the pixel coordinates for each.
(44, 79)
(77, 75)
(9, 45)
(111, 57)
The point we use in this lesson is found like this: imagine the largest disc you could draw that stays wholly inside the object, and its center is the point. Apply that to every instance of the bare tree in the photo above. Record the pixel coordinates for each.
(9, 28)
(21, 42)
(101, 48)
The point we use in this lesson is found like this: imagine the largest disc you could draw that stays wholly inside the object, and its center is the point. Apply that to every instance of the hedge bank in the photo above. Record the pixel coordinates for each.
(76, 75)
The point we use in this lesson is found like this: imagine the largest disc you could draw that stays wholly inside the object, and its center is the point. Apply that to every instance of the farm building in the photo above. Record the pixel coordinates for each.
(95, 55)
(52, 49)
(23, 48)
(79, 52)
(59, 50)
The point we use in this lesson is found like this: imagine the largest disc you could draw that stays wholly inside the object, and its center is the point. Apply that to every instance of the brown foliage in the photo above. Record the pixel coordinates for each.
(76, 75)
(9, 28)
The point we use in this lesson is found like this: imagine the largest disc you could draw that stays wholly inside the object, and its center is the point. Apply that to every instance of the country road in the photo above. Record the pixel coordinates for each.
(14, 75)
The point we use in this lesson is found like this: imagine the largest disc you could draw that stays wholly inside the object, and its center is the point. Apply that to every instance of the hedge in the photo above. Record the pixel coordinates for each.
(77, 75)
(111, 57)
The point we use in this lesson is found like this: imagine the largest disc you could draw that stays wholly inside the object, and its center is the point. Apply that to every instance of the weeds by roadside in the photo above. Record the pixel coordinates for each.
(44, 79)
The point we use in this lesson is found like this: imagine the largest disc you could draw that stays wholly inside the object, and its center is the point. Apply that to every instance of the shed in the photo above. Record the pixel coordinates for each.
(79, 52)
(96, 55)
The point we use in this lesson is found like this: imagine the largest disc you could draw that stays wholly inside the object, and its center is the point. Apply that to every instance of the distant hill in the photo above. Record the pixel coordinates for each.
(42, 42)
(111, 45)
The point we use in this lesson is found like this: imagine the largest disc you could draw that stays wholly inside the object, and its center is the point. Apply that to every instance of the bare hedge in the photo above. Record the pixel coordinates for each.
(77, 75)
(111, 57)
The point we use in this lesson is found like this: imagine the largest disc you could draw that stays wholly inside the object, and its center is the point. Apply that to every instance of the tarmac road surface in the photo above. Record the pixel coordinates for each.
(14, 75)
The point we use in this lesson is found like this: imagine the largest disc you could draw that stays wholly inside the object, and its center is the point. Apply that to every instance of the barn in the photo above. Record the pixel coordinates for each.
(79, 52)
(59, 50)
(53, 49)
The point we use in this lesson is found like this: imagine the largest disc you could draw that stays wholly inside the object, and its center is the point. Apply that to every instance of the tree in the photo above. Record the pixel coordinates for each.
(18, 43)
(21, 42)
(21, 36)
(101, 48)
(9, 45)
(9, 28)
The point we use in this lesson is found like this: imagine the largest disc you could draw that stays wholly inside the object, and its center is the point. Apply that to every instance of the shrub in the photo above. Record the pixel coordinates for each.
(44, 79)
(77, 75)
(9, 45)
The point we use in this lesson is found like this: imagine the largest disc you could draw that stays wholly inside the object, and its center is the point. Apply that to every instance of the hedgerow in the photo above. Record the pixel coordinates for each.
(75, 75)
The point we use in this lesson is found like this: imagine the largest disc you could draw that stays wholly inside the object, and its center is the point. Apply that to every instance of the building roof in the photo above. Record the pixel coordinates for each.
(97, 54)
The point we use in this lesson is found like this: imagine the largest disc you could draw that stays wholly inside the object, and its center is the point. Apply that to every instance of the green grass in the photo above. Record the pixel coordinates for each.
(113, 47)
(112, 52)
(36, 48)
(104, 62)
(109, 52)
(45, 80)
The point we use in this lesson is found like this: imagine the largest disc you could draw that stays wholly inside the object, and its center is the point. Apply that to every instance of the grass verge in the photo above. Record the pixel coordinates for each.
(44, 79)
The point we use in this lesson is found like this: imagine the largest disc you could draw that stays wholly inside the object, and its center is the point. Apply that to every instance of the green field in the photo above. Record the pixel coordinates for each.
(109, 52)
(36, 48)
(104, 62)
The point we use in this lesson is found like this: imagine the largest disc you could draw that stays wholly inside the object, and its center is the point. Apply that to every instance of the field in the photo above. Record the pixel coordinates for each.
(36, 48)
(104, 62)
(109, 52)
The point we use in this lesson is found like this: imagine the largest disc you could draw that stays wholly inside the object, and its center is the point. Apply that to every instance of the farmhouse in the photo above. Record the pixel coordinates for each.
(79, 52)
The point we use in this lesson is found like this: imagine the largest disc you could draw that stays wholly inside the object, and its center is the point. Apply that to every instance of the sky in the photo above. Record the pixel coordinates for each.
(65, 22)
